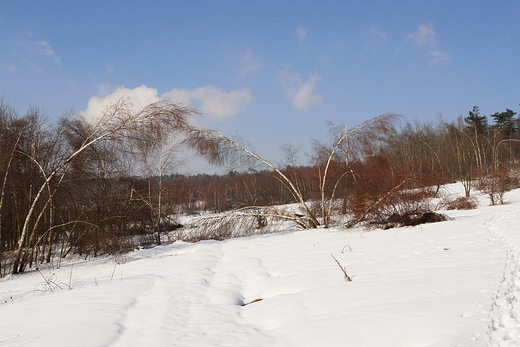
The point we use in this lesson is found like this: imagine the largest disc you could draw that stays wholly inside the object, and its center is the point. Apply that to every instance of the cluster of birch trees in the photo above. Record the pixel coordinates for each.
(100, 186)
(83, 186)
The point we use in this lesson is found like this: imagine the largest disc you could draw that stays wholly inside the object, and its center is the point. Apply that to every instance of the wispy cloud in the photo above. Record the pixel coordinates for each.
(10, 67)
(109, 68)
(103, 89)
(30, 55)
(44, 48)
(301, 93)
(426, 37)
(439, 57)
(248, 63)
(338, 45)
(301, 34)
(378, 34)
(375, 38)
(423, 36)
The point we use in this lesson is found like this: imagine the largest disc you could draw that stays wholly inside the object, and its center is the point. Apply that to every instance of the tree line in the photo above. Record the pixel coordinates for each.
(368, 173)
(90, 187)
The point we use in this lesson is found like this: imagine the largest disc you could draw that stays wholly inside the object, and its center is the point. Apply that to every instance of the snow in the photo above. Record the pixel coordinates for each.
(453, 283)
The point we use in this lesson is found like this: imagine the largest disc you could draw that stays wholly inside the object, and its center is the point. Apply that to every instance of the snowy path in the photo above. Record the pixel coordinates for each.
(194, 301)
(504, 326)
(453, 283)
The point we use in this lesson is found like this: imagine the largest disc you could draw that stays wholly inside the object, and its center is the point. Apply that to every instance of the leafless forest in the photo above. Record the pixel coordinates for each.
(106, 186)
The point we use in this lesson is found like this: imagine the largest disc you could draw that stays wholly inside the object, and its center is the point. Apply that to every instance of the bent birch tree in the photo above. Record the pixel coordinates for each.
(218, 149)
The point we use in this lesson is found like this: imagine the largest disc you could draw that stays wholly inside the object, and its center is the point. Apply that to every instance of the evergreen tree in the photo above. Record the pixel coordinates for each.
(476, 122)
(505, 123)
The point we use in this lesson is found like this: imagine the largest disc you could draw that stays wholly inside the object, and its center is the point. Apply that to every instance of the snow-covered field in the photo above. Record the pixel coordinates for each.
(454, 283)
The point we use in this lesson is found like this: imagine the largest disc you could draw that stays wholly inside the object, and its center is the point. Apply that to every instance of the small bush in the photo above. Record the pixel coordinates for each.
(460, 203)
(408, 218)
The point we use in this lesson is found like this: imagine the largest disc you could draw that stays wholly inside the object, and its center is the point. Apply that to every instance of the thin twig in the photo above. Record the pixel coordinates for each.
(347, 277)
(70, 277)
(113, 271)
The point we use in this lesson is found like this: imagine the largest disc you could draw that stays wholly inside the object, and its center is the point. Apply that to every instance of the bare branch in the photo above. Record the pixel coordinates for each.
(347, 277)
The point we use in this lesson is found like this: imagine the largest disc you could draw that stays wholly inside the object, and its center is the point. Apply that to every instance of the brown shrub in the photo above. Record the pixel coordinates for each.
(408, 218)
(460, 203)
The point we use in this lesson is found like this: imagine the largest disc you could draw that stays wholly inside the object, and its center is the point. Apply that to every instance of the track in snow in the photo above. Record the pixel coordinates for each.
(504, 320)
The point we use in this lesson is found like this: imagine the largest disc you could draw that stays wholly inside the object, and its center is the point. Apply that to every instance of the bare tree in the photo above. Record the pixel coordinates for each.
(219, 149)
(291, 154)
(155, 161)
(349, 146)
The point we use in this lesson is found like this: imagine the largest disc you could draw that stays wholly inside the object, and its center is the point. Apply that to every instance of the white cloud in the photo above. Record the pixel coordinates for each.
(302, 94)
(140, 97)
(45, 49)
(305, 96)
(425, 36)
(210, 99)
(301, 34)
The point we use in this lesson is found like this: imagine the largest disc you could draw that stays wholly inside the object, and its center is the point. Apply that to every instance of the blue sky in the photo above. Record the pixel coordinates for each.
(272, 71)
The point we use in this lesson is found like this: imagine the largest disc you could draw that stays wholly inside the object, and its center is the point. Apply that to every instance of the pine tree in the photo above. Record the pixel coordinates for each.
(505, 123)
(476, 122)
